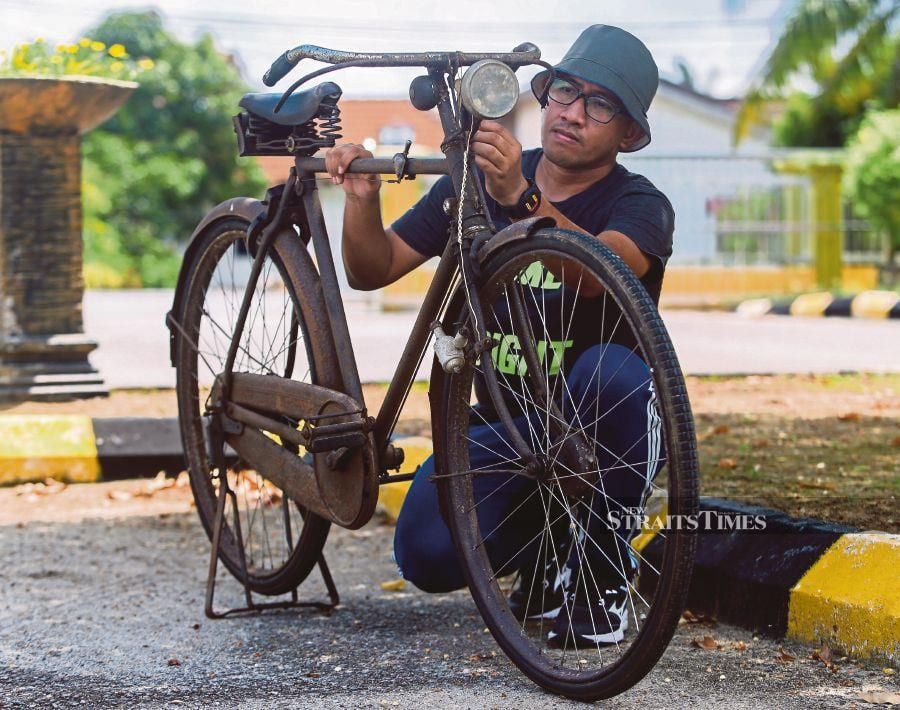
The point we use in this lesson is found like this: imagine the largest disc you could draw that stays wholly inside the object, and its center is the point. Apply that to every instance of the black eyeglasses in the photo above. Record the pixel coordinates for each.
(597, 107)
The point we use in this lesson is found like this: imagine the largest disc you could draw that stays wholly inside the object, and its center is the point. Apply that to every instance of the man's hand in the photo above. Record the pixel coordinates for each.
(499, 155)
(359, 185)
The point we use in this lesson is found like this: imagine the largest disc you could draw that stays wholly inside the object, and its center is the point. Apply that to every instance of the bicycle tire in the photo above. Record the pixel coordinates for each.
(285, 334)
(658, 592)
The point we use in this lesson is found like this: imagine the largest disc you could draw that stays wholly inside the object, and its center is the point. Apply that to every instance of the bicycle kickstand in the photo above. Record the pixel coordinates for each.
(252, 607)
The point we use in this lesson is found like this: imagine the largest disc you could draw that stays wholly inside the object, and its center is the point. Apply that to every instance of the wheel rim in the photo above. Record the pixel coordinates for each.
(272, 527)
(568, 524)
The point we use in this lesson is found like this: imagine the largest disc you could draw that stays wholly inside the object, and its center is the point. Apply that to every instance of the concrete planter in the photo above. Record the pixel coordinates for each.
(43, 349)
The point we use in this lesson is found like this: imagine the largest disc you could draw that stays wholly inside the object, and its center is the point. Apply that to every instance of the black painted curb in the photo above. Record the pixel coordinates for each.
(841, 306)
(745, 578)
(138, 446)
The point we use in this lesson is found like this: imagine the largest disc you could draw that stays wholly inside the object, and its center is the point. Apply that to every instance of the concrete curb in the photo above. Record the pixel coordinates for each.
(81, 449)
(868, 304)
(800, 578)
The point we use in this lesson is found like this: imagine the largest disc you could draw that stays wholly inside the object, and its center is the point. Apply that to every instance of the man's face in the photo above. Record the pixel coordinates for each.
(571, 139)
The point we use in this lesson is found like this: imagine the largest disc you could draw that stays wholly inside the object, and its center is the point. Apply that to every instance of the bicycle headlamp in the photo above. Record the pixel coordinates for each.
(489, 89)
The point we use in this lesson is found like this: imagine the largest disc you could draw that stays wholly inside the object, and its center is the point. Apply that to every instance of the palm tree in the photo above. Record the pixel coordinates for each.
(848, 49)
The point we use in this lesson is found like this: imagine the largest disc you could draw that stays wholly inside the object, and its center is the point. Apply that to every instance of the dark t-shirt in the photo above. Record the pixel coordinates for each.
(621, 201)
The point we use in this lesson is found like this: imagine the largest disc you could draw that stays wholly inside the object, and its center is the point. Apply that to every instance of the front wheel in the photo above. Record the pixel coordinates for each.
(285, 335)
(553, 539)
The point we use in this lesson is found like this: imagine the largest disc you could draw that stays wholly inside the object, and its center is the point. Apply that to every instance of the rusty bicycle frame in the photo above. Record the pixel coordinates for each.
(243, 405)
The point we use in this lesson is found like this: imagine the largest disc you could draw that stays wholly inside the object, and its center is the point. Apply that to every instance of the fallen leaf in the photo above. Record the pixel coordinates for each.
(783, 656)
(879, 697)
(825, 655)
(174, 662)
(739, 645)
(483, 656)
(707, 643)
(849, 417)
(119, 495)
(888, 671)
(896, 441)
(312, 674)
(160, 483)
(395, 585)
(727, 463)
(690, 617)
(713, 431)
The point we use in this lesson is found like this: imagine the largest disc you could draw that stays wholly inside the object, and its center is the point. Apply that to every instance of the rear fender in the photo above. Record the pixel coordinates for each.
(246, 207)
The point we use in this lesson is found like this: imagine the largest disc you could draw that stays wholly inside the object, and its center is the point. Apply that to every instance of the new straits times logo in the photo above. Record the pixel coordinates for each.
(702, 521)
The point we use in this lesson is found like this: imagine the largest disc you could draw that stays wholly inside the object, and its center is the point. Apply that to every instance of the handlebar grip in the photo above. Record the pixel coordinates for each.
(279, 69)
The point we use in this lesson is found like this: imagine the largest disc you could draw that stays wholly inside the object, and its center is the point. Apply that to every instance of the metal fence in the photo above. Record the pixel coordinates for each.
(738, 210)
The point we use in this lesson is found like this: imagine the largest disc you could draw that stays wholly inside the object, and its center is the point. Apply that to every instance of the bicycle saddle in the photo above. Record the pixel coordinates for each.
(300, 107)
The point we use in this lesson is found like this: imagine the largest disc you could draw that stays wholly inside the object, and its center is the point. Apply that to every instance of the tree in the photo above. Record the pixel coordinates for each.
(872, 175)
(848, 51)
(154, 169)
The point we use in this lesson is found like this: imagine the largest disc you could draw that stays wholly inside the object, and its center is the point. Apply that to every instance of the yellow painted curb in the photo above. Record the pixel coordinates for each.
(873, 304)
(37, 446)
(850, 597)
(811, 304)
(392, 495)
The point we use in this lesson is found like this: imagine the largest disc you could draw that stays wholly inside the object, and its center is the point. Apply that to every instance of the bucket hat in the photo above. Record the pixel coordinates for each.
(616, 60)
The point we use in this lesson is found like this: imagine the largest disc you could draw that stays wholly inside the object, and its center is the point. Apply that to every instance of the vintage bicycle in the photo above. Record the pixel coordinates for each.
(276, 433)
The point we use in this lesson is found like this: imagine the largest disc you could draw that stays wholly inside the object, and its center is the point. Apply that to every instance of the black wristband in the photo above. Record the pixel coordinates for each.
(528, 203)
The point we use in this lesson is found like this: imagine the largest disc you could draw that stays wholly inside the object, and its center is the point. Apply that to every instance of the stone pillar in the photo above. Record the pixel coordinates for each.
(43, 348)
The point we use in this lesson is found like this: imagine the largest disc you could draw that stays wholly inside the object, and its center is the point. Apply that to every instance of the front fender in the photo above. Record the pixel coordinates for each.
(246, 207)
(513, 233)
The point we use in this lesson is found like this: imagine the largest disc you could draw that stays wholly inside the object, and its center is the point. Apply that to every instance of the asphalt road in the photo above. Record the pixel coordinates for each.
(107, 611)
(130, 323)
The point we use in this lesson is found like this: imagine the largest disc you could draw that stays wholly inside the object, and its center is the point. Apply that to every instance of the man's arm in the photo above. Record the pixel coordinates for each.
(373, 256)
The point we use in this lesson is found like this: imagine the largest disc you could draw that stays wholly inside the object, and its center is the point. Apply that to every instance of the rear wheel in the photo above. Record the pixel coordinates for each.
(581, 596)
(281, 541)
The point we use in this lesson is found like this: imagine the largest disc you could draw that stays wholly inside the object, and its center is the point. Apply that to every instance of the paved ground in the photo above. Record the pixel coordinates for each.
(126, 323)
(104, 607)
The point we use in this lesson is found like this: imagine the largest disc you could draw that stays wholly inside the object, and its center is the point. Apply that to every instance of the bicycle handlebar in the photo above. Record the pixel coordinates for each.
(522, 55)
(384, 166)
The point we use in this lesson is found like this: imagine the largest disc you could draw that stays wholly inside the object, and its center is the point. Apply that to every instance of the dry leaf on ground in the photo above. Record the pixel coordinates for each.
(49, 487)
(395, 585)
(783, 656)
(707, 643)
(727, 463)
(739, 645)
(826, 655)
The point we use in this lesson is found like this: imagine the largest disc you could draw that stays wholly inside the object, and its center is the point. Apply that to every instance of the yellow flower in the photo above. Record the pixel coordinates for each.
(98, 46)
(146, 63)
(61, 48)
(72, 48)
(56, 59)
(116, 66)
(84, 42)
(38, 40)
(117, 51)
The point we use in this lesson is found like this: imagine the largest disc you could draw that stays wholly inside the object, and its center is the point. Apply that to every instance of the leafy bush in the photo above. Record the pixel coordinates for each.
(872, 175)
(167, 156)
